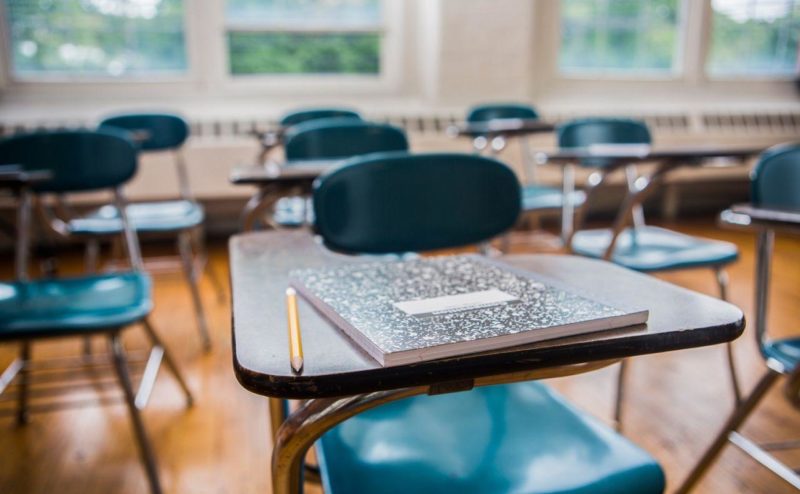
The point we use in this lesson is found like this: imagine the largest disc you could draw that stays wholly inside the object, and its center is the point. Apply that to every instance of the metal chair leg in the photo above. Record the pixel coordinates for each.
(736, 419)
(199, 237)
(145, 448)
(278, 412)
(620, 398)
(722, 281)
(187, 258)
(22, 397)
(91, 255)
(173, 367)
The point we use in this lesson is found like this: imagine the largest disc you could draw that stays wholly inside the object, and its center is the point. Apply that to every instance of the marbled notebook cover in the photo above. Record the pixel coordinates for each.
(360, 299)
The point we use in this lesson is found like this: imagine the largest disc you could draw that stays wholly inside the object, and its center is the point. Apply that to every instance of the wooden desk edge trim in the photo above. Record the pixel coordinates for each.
(329, 386)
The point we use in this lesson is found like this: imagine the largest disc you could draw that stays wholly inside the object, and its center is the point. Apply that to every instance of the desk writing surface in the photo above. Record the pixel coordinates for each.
(15, 176)
(260, 263)
(688, 153)
(755, 218)
(504, 127)
(306, 170)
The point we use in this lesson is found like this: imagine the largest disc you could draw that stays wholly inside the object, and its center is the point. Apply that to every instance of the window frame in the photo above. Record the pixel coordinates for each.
(65, 78)
(386, 80)
(207, 70)
(676, 72)
(740, 77)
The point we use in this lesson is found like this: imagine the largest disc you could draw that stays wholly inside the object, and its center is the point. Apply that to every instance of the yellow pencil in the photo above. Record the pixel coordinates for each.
(295, 340)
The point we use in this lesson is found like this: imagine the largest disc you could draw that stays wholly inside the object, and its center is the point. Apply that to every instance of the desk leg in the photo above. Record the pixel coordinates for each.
(637, 213)
(256, 205)
(278, 412)
(310, 422)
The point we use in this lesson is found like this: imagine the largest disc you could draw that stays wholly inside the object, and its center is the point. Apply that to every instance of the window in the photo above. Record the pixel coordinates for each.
(304, 36)
(618, 36)
(754, 37)
(108, 38)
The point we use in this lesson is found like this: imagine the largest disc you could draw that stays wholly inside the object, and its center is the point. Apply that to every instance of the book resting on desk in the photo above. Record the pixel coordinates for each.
(425, 309)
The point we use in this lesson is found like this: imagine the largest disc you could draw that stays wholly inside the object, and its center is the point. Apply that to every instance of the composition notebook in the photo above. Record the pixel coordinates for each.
(425, 309)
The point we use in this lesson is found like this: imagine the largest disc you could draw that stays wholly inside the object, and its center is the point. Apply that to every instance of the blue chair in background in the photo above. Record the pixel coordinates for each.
(640, 247)
(305, 115)
(520, 438)
(182, 218)
(272, 139)
(331, 139)
(93, 304)
(492, 111)
(335, 138)
(536, 198)
(775, 185)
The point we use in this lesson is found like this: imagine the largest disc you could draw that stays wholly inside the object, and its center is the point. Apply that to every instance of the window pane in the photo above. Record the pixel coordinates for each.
(97, 37)
(305, 12)
(755, 37)
(304, 36)
(299, 53)
(618, 35)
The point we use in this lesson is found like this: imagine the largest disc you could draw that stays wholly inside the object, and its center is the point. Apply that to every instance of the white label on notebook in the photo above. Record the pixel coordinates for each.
(448, 303)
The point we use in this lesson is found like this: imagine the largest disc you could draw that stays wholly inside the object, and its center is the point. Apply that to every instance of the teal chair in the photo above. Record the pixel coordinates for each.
(775, 185)
(517, 438)
(181, 218)
(641, 247)
(93, 304)
(331, 139)
(493, 111)
(305, 115)
(343, 137)
(536, 198)
(273, 139)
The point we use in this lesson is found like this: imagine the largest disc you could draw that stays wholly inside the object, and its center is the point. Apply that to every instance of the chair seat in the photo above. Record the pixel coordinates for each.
(521, 438)
(146, 217)
(66, 306)
(540, 197)
(785, 351)
(650, 248)
(293, 211)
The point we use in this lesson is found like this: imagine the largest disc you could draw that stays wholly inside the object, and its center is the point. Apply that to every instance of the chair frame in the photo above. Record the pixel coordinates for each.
(267, 197)
(530, 177)
(294, 434)
(192, 253)
(730, 431)
(631, 212)
(135, 401)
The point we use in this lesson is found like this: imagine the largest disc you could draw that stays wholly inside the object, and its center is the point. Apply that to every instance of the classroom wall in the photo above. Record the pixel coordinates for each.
(450, 54)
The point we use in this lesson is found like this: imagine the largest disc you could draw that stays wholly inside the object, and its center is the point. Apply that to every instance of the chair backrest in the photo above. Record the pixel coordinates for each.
(80, 160)
(332, 138)
(399, 202)
(776, 178)
(584, 132)
(491, 111)
(300, 116)
(159, 131)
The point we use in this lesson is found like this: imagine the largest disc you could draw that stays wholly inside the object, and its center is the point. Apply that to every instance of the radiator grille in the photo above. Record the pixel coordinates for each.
(753, 123)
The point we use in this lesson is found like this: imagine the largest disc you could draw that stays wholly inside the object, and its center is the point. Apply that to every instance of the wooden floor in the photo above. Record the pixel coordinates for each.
(676, 402)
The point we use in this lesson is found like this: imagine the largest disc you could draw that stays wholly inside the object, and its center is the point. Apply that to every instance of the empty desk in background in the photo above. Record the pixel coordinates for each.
(611, 160)
(341, 381)
(503, 128)
(274, 138)
(274, 181)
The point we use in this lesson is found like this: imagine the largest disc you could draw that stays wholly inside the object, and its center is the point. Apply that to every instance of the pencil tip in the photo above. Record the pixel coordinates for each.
(297, 364)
